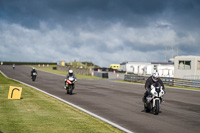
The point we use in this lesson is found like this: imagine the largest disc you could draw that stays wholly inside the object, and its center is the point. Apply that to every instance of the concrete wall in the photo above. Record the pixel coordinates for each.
(77, 70)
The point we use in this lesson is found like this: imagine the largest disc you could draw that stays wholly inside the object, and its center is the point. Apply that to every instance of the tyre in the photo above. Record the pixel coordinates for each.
(70, 89)
(33, 78)
(70, 92)
(157, 104)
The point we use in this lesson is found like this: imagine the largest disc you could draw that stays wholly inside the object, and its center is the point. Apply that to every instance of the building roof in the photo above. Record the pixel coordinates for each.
(132, 62)
(163, 63)
(189, 56)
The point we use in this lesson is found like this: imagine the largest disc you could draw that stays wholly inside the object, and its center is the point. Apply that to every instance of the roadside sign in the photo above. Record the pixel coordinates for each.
(14, 92)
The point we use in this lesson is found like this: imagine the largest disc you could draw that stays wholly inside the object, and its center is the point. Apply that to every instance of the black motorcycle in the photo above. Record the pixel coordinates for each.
(34, 75)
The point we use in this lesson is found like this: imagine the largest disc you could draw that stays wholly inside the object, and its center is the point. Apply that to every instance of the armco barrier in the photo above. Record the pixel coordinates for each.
(166, 80)
(101, 74)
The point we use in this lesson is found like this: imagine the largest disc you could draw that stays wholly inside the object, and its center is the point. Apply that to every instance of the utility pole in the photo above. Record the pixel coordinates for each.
(177, 51)
(166, 54)
(172, 52)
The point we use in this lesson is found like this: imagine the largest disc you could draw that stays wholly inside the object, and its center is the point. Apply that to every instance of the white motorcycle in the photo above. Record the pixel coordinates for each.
(154, 99)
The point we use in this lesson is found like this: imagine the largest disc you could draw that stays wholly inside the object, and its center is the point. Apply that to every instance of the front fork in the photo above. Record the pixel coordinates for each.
(154, 101)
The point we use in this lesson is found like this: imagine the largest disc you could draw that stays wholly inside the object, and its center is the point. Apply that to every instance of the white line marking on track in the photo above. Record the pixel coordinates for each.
(86, 111)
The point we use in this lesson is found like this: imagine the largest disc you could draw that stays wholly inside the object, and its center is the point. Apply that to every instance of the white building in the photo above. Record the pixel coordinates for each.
(146, 68)
(187, 67)
(165, 69)
(136, 67)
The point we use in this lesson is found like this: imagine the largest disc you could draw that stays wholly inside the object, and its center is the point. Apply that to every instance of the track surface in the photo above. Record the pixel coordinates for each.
(121, 102)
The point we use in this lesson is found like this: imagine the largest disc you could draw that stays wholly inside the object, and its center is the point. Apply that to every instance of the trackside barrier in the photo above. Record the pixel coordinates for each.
(166, 80)
(101, 74)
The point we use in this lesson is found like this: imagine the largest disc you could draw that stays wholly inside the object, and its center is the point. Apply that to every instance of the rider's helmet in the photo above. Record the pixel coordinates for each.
(155, 76)
(70, 72)
(33, 68)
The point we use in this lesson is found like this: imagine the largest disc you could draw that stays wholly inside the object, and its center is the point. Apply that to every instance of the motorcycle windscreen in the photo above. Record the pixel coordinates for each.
(71, 78)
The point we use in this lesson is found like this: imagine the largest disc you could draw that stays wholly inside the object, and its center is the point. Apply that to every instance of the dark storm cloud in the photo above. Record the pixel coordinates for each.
(130, 12)
(97, 29)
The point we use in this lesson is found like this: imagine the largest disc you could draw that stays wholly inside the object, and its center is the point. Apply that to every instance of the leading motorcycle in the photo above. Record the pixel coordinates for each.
(154, 99)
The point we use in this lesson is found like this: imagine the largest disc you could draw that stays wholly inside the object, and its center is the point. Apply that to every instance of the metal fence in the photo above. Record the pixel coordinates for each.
(166, 80)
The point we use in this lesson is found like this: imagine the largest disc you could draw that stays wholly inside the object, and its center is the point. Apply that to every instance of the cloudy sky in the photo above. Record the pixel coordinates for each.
(100, 31)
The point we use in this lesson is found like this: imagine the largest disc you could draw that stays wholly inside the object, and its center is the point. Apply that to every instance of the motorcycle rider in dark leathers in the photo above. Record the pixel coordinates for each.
(13, 66)
(151, 80)
(70, 74)
(33, 70)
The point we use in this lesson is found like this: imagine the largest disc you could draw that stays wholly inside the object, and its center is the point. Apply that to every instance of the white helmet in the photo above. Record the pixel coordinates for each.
(70, 71)
(155, 76)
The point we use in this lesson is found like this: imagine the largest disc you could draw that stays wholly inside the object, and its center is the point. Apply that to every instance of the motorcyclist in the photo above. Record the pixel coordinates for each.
(70, 74)
(13, 66)
(151, 80)
(33, 71)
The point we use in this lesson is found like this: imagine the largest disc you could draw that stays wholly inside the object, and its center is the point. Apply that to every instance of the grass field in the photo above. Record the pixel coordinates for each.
(39, 113)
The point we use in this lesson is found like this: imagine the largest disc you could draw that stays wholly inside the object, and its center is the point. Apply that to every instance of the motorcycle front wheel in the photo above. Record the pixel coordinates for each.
(157, 104)
(70, 89)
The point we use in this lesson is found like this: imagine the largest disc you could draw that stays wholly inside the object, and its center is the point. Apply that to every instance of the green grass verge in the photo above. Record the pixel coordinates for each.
(37, 112)
(65, 73)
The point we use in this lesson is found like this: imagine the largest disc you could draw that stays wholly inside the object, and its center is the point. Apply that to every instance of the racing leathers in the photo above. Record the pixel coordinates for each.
(33, 72)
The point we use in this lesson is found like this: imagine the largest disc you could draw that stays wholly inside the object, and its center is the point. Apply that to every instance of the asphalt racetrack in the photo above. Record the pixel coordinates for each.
(121, 103)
